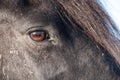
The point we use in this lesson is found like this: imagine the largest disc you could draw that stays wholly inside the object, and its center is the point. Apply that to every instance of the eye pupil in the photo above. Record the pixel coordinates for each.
(38, 35)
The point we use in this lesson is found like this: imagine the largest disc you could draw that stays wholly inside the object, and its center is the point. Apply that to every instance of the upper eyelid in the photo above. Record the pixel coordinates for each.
(35, 28)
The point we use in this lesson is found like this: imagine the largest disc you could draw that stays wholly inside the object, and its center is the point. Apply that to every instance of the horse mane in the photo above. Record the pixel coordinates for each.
(89, 16)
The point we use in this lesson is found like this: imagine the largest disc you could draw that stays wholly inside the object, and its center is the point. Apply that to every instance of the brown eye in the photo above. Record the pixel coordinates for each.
(38, 35)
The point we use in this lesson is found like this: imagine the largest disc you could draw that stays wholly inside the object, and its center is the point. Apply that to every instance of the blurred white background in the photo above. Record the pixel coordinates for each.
(113, 9)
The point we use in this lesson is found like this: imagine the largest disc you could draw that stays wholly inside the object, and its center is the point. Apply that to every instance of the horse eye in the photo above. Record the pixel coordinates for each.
(38, 35)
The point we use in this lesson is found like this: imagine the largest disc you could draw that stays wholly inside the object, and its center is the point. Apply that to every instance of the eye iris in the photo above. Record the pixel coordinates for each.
(38, 35)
